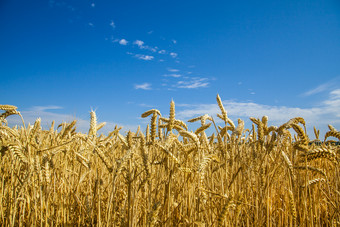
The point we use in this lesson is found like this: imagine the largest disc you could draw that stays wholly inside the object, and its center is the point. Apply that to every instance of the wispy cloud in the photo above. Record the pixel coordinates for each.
(145, 105)
(175, 75)
(332, 104)
(144, 57)
(318, 89)
(251, 92)
(318, 116)
(249, 109)
(112, 24)
(329, 85)
(135, 43)
(139, 43)
(47, 116)
(191, 83)
(144, 86)
(123, 42)
(174, 55)
(172, 70)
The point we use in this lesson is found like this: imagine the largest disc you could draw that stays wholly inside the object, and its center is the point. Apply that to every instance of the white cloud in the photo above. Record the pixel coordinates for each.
(249, 109)
(91, 24)
(144, 57)
(144, 86)
(47, 117)
(145, 105)
(329, 85)
(139, 43)
(114, 40)
(141, 46)
(174, 41)
(162, 52)
(319, 116)
(318, 89)
(175, 75)
(332, 105)
(174, 55)
(123, 42)
(44, 112)
(172, 70)
(112, 24)
(43, 108)
(194, 82)
(93, 5)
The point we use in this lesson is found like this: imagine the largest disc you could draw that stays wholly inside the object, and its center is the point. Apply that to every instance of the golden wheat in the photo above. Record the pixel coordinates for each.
(168, 175)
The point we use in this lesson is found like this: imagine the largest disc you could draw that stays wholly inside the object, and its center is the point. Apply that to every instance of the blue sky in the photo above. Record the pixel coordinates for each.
(60, 59)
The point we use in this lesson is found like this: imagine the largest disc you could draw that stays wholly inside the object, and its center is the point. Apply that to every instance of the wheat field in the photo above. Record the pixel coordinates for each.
(166, 175)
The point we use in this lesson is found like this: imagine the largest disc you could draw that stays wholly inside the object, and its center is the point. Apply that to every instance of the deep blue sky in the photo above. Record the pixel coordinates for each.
(59, 59)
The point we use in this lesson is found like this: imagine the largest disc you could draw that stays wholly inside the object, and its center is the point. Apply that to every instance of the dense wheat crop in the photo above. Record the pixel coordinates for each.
(169, 176)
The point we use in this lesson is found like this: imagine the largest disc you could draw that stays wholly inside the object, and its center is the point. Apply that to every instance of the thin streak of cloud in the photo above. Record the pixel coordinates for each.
(318, 89)
(145, 105)
(44, 108)
(175, 75)
(193, 83)
(332, 84)
(172, 70)
(144, 57)
(144, 86)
